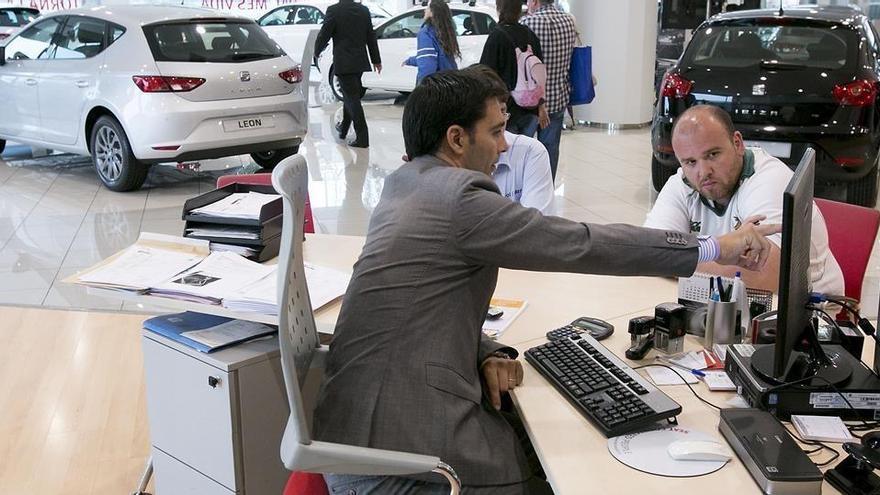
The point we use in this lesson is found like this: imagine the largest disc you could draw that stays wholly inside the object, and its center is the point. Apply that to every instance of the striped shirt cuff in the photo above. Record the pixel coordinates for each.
(708, 248)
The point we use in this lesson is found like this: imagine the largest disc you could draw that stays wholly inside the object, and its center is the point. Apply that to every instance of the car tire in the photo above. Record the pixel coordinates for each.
(335, 86)
(114, 161)
(660, 174)
(863, 192)
(268, 159)
(2, 145)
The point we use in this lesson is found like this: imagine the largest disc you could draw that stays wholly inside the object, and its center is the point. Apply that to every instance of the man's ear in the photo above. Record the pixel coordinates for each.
(456, 139)
(738, 143)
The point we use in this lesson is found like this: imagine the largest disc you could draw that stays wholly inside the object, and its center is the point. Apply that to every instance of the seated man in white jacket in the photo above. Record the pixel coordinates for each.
(721, 185)
(523, 173)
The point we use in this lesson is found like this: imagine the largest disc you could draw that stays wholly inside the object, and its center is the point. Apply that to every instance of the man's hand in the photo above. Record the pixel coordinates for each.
(543, 117)
(377, 68)
(501, 376)
(747, 247)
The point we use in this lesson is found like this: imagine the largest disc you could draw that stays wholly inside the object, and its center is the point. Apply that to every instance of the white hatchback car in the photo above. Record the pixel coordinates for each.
(397, 42)
(136, 85)
(13, 19)
(289, 25)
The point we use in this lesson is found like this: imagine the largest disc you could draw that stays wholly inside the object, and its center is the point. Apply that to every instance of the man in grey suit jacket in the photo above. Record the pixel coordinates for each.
(409, 368)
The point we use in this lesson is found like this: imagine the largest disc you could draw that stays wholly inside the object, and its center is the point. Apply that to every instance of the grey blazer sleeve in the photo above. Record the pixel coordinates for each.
(493, 230)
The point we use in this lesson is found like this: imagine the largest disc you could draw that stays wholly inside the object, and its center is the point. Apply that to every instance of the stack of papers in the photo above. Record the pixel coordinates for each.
(206, 333)
(217, 277)
(229, 232)
(185, 269)
(245, 206)
(325, 286)
(151, 260)
(234, 248)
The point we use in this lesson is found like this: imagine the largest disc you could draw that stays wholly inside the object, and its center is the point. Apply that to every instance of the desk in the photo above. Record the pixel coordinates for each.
(573, 452)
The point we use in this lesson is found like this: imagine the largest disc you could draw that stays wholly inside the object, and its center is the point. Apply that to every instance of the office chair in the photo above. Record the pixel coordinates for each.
(266, 180)
(301, 352)
(851, 233)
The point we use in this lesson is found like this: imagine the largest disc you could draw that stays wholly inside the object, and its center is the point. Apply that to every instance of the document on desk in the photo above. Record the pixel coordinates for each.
(325, 286)
(218, 276)
(237, 205)
(225, 231)
(152, 259)
(664, 376)
(512, 309)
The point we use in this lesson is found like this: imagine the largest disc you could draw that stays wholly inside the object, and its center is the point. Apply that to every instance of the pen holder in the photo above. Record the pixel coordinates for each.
(722, 323)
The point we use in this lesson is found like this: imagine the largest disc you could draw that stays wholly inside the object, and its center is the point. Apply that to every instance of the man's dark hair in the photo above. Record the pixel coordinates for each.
(509, 11)
(715, 112)
(444, 99)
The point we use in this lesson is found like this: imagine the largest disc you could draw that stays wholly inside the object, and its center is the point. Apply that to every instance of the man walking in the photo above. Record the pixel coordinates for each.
(557, 33)
(350, 27)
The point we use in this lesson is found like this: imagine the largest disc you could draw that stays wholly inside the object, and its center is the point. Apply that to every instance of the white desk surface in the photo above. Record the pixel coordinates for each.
(573, 452)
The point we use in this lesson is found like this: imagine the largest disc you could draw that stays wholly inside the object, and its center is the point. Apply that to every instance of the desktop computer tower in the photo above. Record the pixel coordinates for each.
(862, 389)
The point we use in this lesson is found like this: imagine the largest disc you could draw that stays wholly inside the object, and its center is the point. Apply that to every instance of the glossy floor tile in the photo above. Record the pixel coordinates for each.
(56, 218)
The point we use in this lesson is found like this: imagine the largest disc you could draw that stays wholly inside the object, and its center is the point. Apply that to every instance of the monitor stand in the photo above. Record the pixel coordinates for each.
(803, 365)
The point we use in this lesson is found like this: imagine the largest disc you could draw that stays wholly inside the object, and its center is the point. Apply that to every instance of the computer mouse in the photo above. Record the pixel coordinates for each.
(698, 450)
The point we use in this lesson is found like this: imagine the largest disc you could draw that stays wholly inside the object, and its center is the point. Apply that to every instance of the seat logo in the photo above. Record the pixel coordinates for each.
(759, 90)
(244, 76)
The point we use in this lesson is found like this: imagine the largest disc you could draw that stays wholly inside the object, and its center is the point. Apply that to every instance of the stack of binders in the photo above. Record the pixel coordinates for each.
(256, 236)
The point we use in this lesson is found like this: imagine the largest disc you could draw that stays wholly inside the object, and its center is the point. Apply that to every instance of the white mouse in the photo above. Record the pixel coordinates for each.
(698, 450)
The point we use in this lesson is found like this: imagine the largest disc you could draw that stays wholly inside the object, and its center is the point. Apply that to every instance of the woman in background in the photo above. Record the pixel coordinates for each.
(437, 44)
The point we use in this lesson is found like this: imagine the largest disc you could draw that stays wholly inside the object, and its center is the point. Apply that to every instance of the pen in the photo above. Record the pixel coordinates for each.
(694, 371)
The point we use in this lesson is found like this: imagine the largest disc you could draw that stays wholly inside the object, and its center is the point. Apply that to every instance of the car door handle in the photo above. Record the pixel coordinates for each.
(30, 82)
(82, 84)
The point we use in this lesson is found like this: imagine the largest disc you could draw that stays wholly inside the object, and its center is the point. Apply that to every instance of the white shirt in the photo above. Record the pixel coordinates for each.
(679, 207)
(523, 173)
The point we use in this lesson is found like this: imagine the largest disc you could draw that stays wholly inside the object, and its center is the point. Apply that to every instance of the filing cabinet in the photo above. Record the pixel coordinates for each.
(216, 420)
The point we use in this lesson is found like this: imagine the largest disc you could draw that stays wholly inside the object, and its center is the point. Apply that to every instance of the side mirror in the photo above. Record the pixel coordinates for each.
(2, 55)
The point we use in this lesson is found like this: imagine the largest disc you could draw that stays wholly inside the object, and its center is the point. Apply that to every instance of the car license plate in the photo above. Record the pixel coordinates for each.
(247, 123)
(775, 148)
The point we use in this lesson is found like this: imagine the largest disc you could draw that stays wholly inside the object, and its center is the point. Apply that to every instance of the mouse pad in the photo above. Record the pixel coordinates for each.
(646, 451)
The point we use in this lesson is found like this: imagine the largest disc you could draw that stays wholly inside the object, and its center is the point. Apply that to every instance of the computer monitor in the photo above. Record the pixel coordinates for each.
(797, 353)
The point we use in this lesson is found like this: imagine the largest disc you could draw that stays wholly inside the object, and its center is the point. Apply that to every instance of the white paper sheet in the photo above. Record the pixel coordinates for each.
(718, 381)
(237, 205)
(512, 309)
(663, 376)
(325, 286)
(218, 276)
(821, 428)
(227, 333)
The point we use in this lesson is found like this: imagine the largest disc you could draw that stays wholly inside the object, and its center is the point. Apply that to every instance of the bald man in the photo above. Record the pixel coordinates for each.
(721, 185)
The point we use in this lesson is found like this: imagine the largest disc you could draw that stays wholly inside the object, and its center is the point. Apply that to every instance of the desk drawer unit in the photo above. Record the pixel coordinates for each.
(218, 418)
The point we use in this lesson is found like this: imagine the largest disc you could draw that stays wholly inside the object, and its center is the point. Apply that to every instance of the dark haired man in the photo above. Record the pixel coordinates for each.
(350, 26)
(408, 368)
(722, 184)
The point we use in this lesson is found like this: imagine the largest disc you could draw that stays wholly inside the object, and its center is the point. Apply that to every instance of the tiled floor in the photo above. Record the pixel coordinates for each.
(56, 218)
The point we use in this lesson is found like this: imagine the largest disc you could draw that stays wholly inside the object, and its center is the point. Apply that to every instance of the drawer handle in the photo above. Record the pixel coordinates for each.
(213, 381)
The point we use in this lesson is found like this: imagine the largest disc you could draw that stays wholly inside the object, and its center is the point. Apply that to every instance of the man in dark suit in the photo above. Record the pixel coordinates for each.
(350, 27)
(409, 368)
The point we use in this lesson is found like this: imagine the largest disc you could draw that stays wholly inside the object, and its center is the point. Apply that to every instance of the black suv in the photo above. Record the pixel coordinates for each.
(807, 76)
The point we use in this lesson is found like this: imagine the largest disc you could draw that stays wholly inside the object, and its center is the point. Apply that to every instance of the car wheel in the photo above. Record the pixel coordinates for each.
(268, 159)
(114, 161)
(660, 174)
(2, 145)
(863, 192)
(335, 86)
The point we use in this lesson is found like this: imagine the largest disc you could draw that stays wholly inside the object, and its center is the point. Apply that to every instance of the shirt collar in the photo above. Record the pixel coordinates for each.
(748, 170)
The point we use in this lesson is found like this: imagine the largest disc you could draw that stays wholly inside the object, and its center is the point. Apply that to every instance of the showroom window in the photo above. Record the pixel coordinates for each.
(210, 42)
(81, 37)
(33, 42)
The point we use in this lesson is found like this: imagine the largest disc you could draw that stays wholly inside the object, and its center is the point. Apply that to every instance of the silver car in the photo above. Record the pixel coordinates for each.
(136, 85)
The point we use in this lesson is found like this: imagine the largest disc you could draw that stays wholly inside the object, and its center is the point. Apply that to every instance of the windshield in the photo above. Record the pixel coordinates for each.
(737, 46)
(16, 17)
(216, 41)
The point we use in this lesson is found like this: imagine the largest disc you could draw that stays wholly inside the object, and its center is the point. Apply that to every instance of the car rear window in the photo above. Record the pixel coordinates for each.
(16, 17)
(736, 46)
(215, 41)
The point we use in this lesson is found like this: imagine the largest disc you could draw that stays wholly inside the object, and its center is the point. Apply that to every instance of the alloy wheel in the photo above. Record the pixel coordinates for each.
(108, 154)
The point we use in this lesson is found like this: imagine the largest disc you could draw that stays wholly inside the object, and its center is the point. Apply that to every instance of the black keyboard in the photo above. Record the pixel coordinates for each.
(603, 388)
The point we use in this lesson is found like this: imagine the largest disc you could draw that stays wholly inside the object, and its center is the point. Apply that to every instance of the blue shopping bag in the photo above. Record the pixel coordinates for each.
(581, 73)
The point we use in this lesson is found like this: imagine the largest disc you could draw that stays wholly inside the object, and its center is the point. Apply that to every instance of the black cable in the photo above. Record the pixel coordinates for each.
(820, 446)
(832, 321)
(682, 379)
(833, 387)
